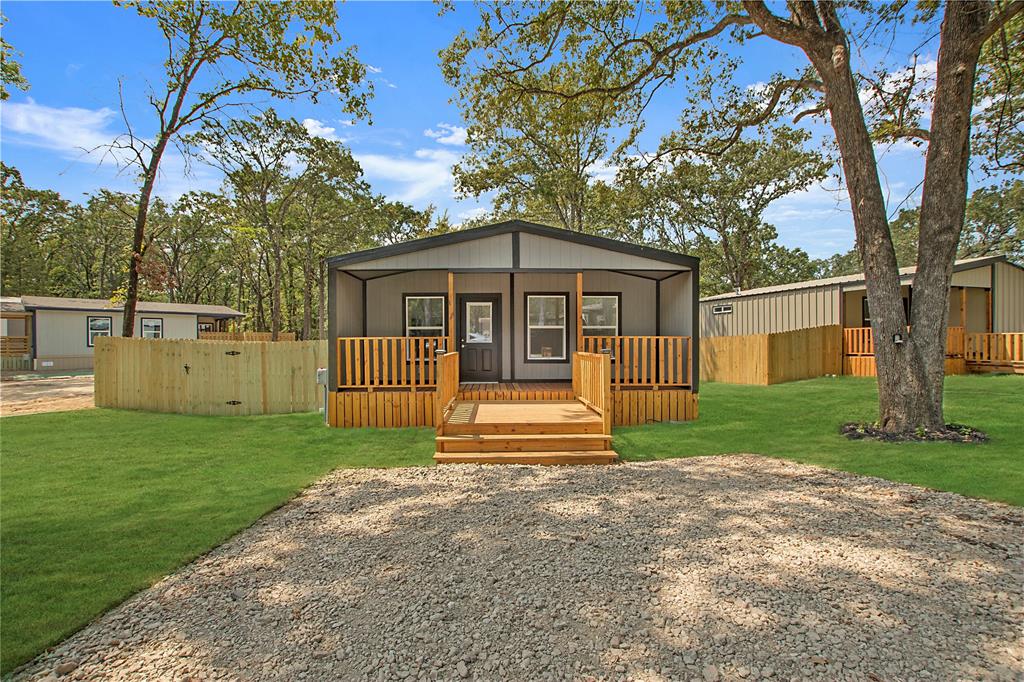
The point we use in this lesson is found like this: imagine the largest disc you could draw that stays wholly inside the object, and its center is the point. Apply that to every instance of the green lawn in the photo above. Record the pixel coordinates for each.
(98, 504)
(800, 421)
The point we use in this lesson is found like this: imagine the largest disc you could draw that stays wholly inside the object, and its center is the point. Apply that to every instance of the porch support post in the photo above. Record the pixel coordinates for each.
(963, 307)
(579, 312)
(451, 311)
(988, 311)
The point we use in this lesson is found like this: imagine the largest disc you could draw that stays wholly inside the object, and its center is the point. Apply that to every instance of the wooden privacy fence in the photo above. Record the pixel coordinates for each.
(209, 377)
(591, 384)
(245, 336)
(765, 359)
(388, 361)
(645, 360)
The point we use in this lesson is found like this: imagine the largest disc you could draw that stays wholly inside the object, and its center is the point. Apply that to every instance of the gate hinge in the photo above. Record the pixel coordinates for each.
(234, 402)
(233, 352)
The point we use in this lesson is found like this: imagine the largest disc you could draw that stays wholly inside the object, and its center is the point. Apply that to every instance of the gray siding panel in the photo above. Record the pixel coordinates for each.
(1008, 299)
(489, 252)
(543, 252)
(770, 313)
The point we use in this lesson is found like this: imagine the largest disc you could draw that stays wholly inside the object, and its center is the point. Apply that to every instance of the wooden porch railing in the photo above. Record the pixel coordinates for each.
(860, 341)
(388, 361)
(14, 346)
(996, 349)
(654, 361)
(591, 384)
(447, 388)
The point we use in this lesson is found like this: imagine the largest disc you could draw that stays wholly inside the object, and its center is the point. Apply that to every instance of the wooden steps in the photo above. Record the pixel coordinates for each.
(547, 457)
(523, 432)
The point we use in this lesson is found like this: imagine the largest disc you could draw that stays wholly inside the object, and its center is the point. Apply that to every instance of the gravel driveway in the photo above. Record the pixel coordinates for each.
(708, 568)
(46, 394)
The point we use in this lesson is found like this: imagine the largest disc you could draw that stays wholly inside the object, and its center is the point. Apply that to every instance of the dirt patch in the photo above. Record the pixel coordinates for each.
(715, 568)
(51, 394)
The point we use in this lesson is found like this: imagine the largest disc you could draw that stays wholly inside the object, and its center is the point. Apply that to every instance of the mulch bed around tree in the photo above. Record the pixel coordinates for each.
(953, 433)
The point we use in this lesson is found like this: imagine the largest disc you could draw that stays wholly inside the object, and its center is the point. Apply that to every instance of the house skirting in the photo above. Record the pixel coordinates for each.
(396, 409)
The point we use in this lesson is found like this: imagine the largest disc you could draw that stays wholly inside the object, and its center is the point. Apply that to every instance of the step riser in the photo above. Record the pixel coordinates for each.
(540, 444)
(516, 429)
(552, 459)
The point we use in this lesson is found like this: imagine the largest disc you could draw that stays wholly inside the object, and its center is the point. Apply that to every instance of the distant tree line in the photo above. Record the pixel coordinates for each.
(289, 200)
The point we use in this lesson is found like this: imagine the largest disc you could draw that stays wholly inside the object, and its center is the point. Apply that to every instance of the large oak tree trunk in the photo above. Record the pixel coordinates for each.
(944, 197)
(905, 400)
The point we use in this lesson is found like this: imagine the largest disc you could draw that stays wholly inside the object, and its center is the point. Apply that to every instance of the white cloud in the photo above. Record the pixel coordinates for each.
(603, 171)
(471, 213)
(373, 69)
(447, 133)
(318, 128)
(416, 178)
(82, 135)
(71, 131)
(388, 83)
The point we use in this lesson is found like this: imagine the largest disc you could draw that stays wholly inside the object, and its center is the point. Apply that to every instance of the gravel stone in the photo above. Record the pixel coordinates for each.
(714, 568)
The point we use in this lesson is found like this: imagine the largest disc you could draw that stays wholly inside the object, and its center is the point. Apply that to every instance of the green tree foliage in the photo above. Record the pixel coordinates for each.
(718, 204)
(221, 56)
(10, 69)
(203, 248)
(994, 225)
(30, 222)
(998, 138)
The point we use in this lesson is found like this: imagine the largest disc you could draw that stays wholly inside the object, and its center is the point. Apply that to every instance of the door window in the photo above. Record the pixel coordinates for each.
(478, 322)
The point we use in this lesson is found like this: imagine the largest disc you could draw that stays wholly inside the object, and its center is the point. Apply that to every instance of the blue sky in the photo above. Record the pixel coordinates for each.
(75, 52)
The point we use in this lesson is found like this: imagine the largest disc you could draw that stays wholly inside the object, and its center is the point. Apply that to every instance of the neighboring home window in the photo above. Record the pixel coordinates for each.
(152, 328)
(546, 331)
(865, 312)
(205, 327)
(600, 314)
(98, 326)
(723, 309)
(424, 316)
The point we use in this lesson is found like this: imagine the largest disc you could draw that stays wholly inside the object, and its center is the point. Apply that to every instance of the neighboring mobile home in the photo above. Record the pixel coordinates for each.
(516, 300)
(49, 333)
(986, 307)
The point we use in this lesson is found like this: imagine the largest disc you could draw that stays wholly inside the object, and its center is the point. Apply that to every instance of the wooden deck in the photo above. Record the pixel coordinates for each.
(517, 432)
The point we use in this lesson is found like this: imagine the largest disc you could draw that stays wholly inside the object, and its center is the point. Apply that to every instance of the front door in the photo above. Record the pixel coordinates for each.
(479, 337)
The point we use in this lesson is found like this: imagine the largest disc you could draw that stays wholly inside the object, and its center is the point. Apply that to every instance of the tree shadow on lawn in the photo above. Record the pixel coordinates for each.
(648, 570)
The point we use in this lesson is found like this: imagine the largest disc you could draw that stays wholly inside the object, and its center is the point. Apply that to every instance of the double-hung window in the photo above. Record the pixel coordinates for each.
(97, 326)
(546, 330)
(152, 328)
(600, 315)
(425, 316)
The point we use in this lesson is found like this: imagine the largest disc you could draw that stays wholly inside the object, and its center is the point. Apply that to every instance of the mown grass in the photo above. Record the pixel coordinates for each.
(800, 421)
(98, 504)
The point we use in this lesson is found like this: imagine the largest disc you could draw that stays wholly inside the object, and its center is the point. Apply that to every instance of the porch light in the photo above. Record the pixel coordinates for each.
(607, 351)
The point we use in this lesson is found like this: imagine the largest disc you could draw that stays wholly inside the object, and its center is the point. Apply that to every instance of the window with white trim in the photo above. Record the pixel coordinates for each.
(97, 326)
(723, 309)
(152, 328)
(546, 331)
(600, 315)
(424, 316)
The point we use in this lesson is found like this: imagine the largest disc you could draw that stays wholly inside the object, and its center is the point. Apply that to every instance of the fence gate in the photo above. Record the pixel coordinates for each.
(208, 377)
